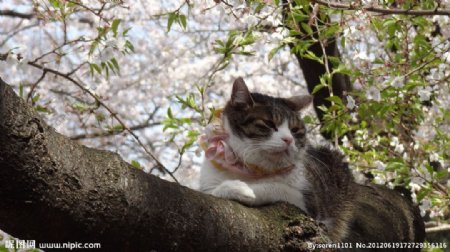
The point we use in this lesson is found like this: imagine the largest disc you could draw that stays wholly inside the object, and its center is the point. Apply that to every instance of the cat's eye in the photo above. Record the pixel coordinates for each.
(270, 124)
(265, 124)
(261, 124)
(296, 130)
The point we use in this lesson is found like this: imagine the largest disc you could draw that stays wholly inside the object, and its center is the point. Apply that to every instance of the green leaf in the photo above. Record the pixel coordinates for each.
(307, 28)
(247, 40)
(274, 51)
(172, 17)
(245, 53)
(115, 64)
(343, 42)
(317, 88)
(94, 67)
(82, 107)
(100, 117)
(331, 31)
(54, 3)
(21, 90)
(136, 164)
(310, 55)
(193, 133)
(182, 21)
(343, 70)
(124, 33)
(119, 127)
(335, 99)
(308, 119)
(111, 66)
(105, 67)
(129, 45)
(169, 113)
(35, 98)
(114, 26)
(40, 108)
(335, 61)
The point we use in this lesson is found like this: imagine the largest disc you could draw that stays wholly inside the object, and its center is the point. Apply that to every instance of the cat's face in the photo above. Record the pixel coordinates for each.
(265, 131)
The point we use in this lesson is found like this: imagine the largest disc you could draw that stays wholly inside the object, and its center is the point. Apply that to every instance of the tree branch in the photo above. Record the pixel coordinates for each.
(54, 190)
(112, 133)
(15, 14)
(352, 6)
(112, 113)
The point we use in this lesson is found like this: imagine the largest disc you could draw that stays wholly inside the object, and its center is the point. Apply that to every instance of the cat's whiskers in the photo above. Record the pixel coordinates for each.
(255, 150)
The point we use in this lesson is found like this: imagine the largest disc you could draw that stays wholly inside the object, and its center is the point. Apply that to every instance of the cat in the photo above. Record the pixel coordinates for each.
(257, 153)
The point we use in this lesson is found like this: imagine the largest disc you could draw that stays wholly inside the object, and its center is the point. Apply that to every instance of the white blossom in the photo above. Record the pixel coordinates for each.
(107, 54)
(373, 94)
(446, 57)
(380, 165)
(414, 187)
(362, 55)
(399, 148)
(424, 206)
(398, 82)
(346, 142)
(250, 20)
(414, 197)
(425, 93)
(379, 179)
(434, 157)
(436, 212)
(350, 102)
(394, 141)
(271, 21)
(354, 116)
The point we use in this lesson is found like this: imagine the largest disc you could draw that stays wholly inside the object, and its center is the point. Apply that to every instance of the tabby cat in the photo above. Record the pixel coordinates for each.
(257, 153)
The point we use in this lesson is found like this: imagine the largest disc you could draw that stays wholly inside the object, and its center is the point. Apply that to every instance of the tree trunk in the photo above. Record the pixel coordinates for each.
(54, 190)
(313, 70)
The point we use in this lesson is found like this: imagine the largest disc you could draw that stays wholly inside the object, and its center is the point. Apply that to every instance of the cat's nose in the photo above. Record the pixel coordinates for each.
(288, 140)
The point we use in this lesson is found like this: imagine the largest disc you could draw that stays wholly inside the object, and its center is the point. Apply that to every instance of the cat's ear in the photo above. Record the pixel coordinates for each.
(240, 95)
(299, 102)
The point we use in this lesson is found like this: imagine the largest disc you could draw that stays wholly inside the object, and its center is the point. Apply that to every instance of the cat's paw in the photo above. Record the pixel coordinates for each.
(235, 190)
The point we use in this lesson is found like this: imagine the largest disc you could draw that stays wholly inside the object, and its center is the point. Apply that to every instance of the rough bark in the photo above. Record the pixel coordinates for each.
(54, 190)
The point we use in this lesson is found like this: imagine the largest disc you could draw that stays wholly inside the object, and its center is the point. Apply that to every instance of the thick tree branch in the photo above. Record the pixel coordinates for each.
(54, 190)
(381, 10)
(15, 14)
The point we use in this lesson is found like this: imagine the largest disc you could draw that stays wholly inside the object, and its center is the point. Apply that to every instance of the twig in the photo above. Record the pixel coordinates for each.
(113, 114)
(12, 34)
(112, 133)
(330, 76)
(351, 6)
(440, 228)
(33, 87)
(59, 47)
(97, 13)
